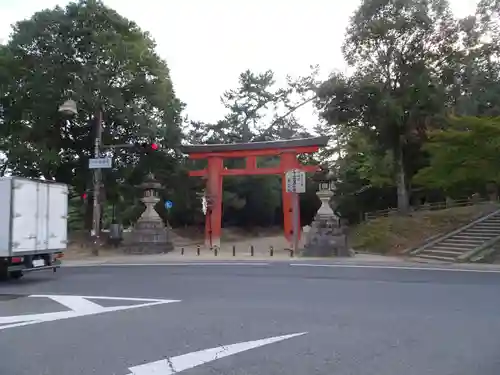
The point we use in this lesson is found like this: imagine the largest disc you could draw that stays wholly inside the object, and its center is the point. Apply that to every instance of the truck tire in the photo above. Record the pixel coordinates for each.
(16, 275)
(4, 271)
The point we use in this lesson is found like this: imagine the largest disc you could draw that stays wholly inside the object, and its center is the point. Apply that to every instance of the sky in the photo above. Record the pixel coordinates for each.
(207, 44)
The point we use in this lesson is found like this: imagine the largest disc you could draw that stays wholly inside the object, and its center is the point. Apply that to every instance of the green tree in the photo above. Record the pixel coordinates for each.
(463, 156)
(477, 89)
(248, 104)
(90, 53)
(399, 51)
(256, 111)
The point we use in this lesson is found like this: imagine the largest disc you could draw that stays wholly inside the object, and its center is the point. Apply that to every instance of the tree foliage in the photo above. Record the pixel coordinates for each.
(463, 154)
(103, 61)
(399, 50)
(415, 119)
(254, 113)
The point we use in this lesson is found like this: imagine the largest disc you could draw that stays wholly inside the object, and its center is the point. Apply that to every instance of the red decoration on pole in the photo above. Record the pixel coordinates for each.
(154, 146)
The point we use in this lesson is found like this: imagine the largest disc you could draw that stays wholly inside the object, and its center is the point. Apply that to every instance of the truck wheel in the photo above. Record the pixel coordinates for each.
(4, 271)
(16, 275)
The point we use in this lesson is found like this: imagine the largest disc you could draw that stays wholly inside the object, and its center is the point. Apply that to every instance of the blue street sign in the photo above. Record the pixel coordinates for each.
(168, 205)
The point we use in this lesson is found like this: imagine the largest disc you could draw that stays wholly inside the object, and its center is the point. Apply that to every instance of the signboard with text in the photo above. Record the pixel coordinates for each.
(295, 181)
(100, 163)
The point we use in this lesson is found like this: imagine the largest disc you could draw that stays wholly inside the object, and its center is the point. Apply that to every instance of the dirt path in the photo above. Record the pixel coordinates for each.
(241, 240)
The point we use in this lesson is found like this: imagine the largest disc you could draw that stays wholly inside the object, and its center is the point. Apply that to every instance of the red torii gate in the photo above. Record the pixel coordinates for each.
(215, 154)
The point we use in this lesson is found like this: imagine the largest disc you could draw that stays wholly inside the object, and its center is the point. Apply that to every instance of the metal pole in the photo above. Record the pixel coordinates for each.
(97, 183)
(210, 226)
(296, 221)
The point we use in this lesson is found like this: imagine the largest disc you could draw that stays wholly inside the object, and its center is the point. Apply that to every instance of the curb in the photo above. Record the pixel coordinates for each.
(166, 264)
(306, 263)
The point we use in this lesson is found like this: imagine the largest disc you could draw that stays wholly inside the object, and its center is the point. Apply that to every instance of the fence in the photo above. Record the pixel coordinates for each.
(427, 207)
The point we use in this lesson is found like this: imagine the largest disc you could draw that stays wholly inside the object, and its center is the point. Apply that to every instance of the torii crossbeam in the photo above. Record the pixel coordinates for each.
(287, 150)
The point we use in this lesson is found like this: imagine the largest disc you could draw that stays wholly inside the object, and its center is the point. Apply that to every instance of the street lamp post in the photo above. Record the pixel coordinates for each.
(97, 184)
(69, 108)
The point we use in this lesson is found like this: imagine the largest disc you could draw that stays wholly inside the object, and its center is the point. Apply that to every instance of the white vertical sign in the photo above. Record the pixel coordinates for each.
(295, 181)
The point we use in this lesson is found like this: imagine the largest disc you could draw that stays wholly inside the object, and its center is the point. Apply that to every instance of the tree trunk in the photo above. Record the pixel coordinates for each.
(492, 190)
(402, 189)
(88, 216)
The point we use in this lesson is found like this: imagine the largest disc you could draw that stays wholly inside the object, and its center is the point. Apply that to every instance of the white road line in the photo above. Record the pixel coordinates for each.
(394, 267)
(167, 264)
(78, 310)
(173, 365)
(290, 264)
(110, 298)
(77, 303)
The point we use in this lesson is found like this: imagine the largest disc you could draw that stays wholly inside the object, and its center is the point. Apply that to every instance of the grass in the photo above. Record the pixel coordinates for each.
(393, 234)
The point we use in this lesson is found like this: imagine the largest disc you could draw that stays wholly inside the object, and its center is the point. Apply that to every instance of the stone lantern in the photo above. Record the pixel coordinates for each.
(326, 185)
(326, 236)
(149, 234)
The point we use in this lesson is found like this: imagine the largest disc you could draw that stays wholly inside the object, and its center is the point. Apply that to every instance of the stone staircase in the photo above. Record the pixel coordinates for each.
(465, 244)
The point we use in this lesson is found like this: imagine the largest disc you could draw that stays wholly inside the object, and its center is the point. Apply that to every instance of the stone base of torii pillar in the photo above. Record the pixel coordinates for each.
(326, 236)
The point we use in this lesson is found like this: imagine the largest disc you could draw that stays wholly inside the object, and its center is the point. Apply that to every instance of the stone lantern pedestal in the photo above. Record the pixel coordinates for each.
(326, 236)
(149, 234)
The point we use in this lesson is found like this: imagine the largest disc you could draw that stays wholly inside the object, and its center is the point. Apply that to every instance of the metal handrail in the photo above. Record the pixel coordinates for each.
(436, 206)
(456, 231)
(466, 256)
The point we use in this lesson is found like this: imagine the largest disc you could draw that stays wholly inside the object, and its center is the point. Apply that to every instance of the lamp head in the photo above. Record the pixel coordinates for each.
(68, 108)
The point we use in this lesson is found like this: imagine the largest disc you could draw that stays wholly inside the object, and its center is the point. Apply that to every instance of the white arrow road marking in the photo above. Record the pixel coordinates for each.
(183, 362)
(79, 305)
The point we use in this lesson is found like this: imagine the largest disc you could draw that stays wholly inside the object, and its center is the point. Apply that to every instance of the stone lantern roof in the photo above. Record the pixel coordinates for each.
(324, 175)
(150, 183)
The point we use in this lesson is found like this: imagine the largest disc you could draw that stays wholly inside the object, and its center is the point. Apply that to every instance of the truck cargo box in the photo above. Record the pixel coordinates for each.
(33, 217)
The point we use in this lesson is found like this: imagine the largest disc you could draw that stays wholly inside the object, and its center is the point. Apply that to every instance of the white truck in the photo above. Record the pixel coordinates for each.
(33, 225)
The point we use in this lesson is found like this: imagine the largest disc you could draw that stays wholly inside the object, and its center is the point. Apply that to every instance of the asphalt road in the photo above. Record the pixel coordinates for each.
(348, 320)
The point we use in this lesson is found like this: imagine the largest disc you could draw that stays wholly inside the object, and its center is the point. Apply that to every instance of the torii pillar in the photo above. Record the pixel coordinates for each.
(287, 150)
